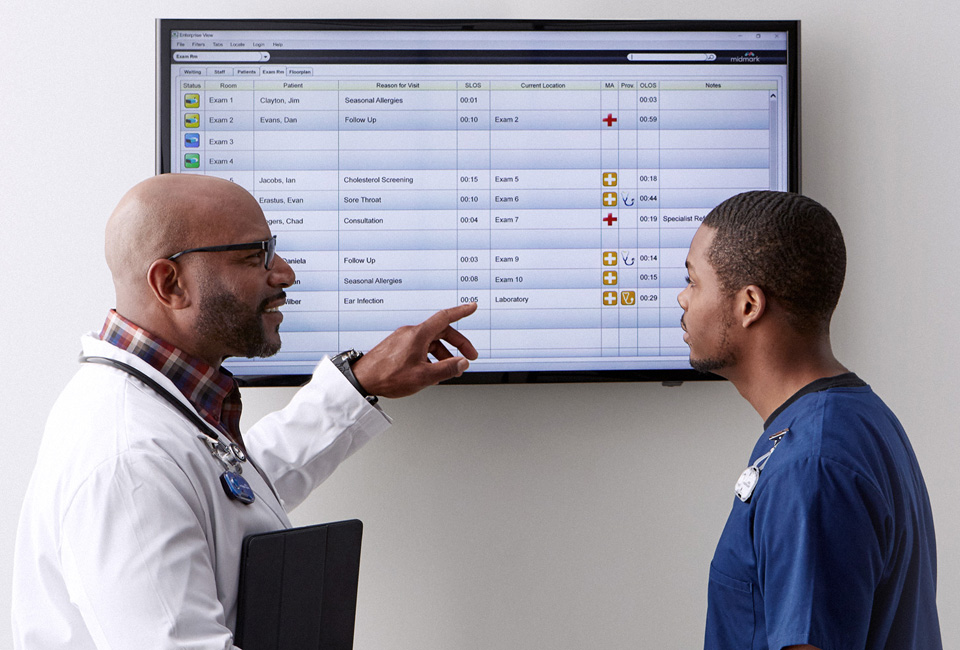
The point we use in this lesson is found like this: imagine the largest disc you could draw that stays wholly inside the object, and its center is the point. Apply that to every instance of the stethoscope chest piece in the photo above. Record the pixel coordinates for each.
(231, 457)
(238, 452)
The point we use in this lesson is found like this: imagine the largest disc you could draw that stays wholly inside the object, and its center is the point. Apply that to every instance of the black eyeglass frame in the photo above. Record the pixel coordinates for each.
(267, 245)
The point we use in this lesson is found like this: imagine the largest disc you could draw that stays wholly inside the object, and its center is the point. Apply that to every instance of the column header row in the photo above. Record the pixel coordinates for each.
(468, 86)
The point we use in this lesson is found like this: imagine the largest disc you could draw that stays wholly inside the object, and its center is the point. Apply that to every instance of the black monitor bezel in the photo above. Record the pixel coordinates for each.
(667, 376)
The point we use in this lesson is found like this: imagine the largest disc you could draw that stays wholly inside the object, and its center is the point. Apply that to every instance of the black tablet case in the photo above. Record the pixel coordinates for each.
(298, 588)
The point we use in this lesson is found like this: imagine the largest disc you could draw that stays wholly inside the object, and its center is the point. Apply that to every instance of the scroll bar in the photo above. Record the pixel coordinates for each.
(774, 145)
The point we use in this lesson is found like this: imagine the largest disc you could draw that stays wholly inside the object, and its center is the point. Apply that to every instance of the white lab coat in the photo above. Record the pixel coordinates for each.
(127, 539)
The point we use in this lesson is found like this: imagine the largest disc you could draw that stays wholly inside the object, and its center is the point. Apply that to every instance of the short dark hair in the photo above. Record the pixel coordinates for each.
(788, 245)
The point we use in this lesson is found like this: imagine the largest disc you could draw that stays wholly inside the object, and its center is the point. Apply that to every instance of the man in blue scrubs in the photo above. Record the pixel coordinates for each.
(830, 543)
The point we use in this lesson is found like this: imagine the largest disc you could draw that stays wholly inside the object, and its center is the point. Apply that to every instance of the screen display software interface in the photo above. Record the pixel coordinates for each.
(555, 178)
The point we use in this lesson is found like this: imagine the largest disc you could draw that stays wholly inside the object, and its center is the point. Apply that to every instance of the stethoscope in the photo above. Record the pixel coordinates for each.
(231, 457)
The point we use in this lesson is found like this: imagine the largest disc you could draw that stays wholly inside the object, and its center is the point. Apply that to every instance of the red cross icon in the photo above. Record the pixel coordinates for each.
(609, 119)
(609, 219)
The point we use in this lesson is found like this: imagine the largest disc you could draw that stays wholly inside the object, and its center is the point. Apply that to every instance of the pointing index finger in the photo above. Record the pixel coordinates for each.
(444, 317)
(438, 327)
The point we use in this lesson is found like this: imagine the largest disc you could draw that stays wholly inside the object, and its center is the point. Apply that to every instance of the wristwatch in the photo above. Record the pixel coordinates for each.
(344, 362)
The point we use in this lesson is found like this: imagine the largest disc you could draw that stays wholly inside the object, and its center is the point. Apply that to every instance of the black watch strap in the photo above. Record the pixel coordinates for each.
(344, 362)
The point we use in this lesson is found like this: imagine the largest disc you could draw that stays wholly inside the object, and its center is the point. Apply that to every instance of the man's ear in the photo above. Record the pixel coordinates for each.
(167, 283)
(751, 305)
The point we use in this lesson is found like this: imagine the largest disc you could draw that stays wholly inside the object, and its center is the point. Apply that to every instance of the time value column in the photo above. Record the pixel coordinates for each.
(473, 208)
(649, 297)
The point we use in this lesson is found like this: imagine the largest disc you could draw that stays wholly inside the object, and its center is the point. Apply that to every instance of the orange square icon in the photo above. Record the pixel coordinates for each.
(628, 298)
(610, 179)
(609, 258)
(609, 277)
(609, 298)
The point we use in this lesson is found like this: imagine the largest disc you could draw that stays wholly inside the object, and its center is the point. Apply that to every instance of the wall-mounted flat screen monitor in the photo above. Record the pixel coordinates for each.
(552, 171)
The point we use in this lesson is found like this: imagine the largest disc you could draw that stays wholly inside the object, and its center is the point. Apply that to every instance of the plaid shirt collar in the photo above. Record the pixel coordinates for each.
(214, 393)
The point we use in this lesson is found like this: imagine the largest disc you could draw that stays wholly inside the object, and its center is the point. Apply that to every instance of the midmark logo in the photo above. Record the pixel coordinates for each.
(748, 57)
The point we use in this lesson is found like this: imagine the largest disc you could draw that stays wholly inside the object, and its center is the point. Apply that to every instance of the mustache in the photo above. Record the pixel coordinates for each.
(266, 301)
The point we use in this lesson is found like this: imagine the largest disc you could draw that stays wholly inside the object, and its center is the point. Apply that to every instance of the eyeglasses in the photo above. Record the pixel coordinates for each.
(268, 245)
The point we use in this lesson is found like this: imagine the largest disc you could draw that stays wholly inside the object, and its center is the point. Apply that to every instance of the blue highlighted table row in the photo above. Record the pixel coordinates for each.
(371, 300)
(498, 181)
(325, 224)
(286, 118)
(320, 287)
(346, 262)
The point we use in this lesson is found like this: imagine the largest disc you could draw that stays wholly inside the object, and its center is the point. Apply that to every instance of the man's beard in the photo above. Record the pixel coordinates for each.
(724, 358)
(225, 319)
(712, 364)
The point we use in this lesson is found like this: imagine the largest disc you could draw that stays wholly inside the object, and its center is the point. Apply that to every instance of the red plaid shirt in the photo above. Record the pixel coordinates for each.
(213, 392)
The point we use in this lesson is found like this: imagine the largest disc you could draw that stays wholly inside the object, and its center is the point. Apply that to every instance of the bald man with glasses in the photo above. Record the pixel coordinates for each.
(145, 487)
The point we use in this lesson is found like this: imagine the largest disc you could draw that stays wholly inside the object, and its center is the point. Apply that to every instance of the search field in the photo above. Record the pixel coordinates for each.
(671, 56)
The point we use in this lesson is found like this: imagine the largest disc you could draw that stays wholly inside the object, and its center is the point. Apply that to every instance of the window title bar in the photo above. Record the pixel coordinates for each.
(426, 40)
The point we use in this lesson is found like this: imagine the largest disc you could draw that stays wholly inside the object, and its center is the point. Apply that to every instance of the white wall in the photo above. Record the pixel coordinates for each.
(533, 516)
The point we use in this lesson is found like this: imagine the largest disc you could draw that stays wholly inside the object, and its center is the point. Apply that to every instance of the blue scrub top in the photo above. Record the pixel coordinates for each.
(836, 546)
